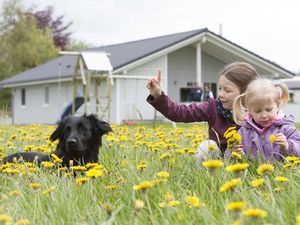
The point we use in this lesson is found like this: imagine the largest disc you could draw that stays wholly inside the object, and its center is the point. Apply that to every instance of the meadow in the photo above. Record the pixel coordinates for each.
(145, 176)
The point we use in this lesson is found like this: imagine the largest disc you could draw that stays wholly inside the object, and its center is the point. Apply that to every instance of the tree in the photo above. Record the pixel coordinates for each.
(44, 20)
(22, 44)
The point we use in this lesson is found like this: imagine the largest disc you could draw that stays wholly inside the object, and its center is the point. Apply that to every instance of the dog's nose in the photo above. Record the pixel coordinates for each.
(72, 141)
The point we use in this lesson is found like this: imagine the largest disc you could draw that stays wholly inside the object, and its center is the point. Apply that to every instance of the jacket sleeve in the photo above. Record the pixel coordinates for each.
(194, 112)
(293, 138)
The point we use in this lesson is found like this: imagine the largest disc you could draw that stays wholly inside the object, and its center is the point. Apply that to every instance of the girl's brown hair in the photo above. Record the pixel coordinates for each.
(259, 92)
(239, 73)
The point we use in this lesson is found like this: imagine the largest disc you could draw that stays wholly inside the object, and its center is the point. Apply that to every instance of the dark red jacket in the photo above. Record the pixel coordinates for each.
(194, 112)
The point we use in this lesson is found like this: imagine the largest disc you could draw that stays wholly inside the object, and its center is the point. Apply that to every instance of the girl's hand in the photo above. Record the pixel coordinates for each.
(282, 141)
(238, 148)
(153, 85)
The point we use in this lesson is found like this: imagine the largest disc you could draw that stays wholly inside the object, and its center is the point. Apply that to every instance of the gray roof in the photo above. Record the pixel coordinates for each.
(120, 55)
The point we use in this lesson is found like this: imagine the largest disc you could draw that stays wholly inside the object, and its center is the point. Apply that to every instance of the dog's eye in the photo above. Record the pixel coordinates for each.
(82, 129)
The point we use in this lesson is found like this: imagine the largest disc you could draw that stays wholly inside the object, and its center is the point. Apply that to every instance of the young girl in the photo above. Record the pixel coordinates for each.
(233, 80)
(265, 130)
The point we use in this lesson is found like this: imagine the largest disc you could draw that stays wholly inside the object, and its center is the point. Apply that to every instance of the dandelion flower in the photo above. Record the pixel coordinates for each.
(236, 155)
(212, 163)
(291, 158)
(173, 203)
(257, 182)
(272, 138)
(265, 168)
(298, 219)
(237, 167)
(15, 193)
(168, 197)
(279, 189)
(162, 205)
(139, 204)
(236, 222)
(163, 174)
(230, 185)
(236, 206)
(144, 185)
(35, 185)
(79, 168)
(281, 179)
(82, 180)
(49, 190)
(193, 201)
(256, 213)
(5, 218)
(22, 222)
(94, 173)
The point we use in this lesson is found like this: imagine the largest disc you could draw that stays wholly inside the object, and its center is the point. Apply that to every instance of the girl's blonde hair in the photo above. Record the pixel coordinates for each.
(259, 92)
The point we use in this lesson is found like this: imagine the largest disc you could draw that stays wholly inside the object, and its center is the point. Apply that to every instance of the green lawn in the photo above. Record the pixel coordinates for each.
(145, 176)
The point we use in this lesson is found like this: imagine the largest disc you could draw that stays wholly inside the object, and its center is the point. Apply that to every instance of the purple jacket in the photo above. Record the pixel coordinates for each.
(195, 112)
(256, 141)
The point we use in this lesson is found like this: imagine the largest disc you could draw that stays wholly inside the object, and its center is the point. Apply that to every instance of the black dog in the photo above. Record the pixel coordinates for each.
(79, 140)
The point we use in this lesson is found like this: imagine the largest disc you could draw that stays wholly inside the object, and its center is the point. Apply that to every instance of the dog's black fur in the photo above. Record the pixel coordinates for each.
(79, 140)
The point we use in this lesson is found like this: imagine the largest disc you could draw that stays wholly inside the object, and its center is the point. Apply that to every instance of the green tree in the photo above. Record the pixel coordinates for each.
(22, 44)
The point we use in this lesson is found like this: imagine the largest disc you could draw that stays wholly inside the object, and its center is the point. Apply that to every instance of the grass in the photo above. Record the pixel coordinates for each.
(130, 156)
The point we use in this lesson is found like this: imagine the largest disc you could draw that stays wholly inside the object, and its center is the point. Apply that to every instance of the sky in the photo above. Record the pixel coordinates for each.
(269, 28)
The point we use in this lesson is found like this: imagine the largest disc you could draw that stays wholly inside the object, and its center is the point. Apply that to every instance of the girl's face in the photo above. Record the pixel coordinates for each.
(264, 115)
(227, 92)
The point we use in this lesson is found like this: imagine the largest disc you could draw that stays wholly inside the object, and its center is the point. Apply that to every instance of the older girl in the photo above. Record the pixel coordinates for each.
(233, 80)
(265, 130)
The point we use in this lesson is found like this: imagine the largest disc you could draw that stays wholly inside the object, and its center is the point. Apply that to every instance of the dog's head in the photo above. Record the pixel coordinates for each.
(79, 135)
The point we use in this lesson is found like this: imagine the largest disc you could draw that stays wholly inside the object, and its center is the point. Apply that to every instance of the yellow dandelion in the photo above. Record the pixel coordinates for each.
(193, 201)
(257, 182)
(35, 185)
(82, 180)
(212, 147)
(256, 213)
(228, 131)
(236, 155)
(236, 222)
(298, 219)
(230, 185)
(162, 204)
(47, 164)
(288, 165)
(168, 197)
(281, 179)
(173, 203)
(291, 158)
(212, 163)
(49, 190)
(15, 193)
(279, 189)
(143, 185)
(5, 219)
(94, 173)
(237, 167)
(236, 206)
(22, 222)
(163, 174)
(264, 168)
(139, 204)
(79, 168)
(111, 187)
(272, 138)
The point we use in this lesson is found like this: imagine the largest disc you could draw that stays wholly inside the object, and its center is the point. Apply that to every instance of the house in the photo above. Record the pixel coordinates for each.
(40, 94)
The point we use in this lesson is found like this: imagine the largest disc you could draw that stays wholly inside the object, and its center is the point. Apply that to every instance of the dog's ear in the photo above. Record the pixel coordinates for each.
(102, 126)
(58, 132)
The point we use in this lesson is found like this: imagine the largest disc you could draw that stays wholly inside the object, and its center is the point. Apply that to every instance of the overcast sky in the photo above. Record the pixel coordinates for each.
(269, 28)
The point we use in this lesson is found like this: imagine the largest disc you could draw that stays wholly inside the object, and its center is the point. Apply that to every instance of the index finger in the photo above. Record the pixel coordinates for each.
(158, 77)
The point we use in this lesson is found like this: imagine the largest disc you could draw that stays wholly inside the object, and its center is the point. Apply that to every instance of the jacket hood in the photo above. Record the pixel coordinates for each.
(280, 120)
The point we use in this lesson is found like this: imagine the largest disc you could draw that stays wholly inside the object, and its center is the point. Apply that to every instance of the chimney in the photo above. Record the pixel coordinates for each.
(220, 29)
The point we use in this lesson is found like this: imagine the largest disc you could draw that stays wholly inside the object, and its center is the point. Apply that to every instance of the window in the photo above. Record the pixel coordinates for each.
(46, 95)
(23, 97)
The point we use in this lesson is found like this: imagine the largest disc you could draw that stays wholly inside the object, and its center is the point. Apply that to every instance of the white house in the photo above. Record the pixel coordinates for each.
(40, 94)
